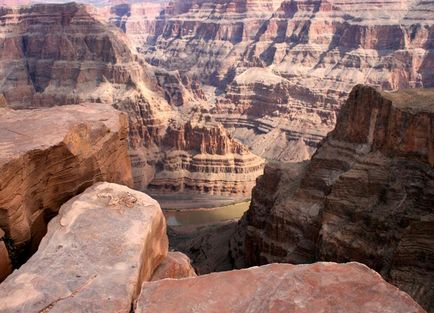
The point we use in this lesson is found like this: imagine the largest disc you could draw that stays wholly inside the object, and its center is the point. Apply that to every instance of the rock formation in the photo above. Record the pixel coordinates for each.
(366, 195)
(320, 287)
(99, 249)
(50, 155)
(280, 70)
(57, 54)
(5, 261)
(175, 265)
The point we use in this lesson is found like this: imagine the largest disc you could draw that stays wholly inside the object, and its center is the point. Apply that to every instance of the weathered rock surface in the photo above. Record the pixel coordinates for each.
(319, 287)
(367, 195)
(5, 261)
(57, 54)
(48, 156)
(99, 249)
(175, 265)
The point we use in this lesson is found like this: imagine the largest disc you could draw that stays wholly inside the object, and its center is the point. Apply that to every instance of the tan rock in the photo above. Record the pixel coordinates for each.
(5, 262)
(175, 265)
(48, 156)
(99, 249)
(319, 287)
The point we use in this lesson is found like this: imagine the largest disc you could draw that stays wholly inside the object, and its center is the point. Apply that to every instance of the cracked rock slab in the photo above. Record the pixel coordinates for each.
(275, 288)
(100, 248)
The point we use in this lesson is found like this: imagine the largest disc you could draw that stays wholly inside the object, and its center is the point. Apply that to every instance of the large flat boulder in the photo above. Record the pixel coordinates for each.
(319, 287)
(99, 249)
(49, 155)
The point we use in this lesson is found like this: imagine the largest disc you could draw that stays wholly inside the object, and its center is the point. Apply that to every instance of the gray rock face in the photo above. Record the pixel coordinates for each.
(99, 249)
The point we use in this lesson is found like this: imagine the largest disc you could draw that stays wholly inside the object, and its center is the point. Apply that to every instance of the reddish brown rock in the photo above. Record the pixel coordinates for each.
(50, 155)
(5, 262)
(319, 287)
(97, 252)
(175, 265)
(365, 196)
(280, 70)
(58, 54)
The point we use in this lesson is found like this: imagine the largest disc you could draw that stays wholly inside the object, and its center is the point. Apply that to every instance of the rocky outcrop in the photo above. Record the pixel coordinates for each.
(176, 265)
(320, 287)
(50, 155)
(365, 196)
(5, 261)
(99, 249)
(201, 156)
(58, 54)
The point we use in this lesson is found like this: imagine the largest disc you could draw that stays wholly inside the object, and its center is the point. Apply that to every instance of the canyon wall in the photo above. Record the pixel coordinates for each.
(50, 155)
(58, 54)
(366, 195)
(277, 72)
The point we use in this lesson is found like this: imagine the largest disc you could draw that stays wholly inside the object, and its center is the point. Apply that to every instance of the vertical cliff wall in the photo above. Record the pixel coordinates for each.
(366, 195)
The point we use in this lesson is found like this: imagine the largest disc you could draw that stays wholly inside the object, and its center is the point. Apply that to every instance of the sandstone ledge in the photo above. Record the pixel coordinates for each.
(99, 249)
(319, 287)
(48, 156)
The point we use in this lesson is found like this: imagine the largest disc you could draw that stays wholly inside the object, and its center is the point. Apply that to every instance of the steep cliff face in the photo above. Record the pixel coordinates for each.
(57, 54)
(366, 195)
(48, 156)
(297, 58)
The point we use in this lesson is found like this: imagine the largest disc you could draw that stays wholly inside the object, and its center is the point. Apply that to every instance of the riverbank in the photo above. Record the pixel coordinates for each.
(188, 201)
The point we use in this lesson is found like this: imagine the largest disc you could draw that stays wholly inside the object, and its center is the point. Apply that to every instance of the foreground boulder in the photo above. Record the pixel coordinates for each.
(99, 249)
(175, 265)
(320, 287)
(48, 156)
(367, 195)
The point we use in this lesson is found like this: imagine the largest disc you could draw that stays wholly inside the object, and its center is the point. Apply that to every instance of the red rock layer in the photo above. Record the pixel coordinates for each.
(48, 156)
(365, 196)
(319, 49)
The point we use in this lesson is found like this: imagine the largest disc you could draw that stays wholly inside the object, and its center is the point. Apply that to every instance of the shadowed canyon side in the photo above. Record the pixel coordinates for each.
(278, 71)
(366, 195)
(50, 155)
(54, 55)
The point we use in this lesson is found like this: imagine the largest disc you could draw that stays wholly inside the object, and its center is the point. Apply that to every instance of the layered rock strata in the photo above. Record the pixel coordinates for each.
(99, 249)
(201, 156)
(365, 196)
(175, 265)
(57, 54)
(50, 155)
(320, 287)
(291, 64)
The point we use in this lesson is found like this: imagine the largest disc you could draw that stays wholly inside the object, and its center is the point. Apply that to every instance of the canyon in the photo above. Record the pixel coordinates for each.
(275, 73)
(366, 195)
(320, 111)
(60, 54)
